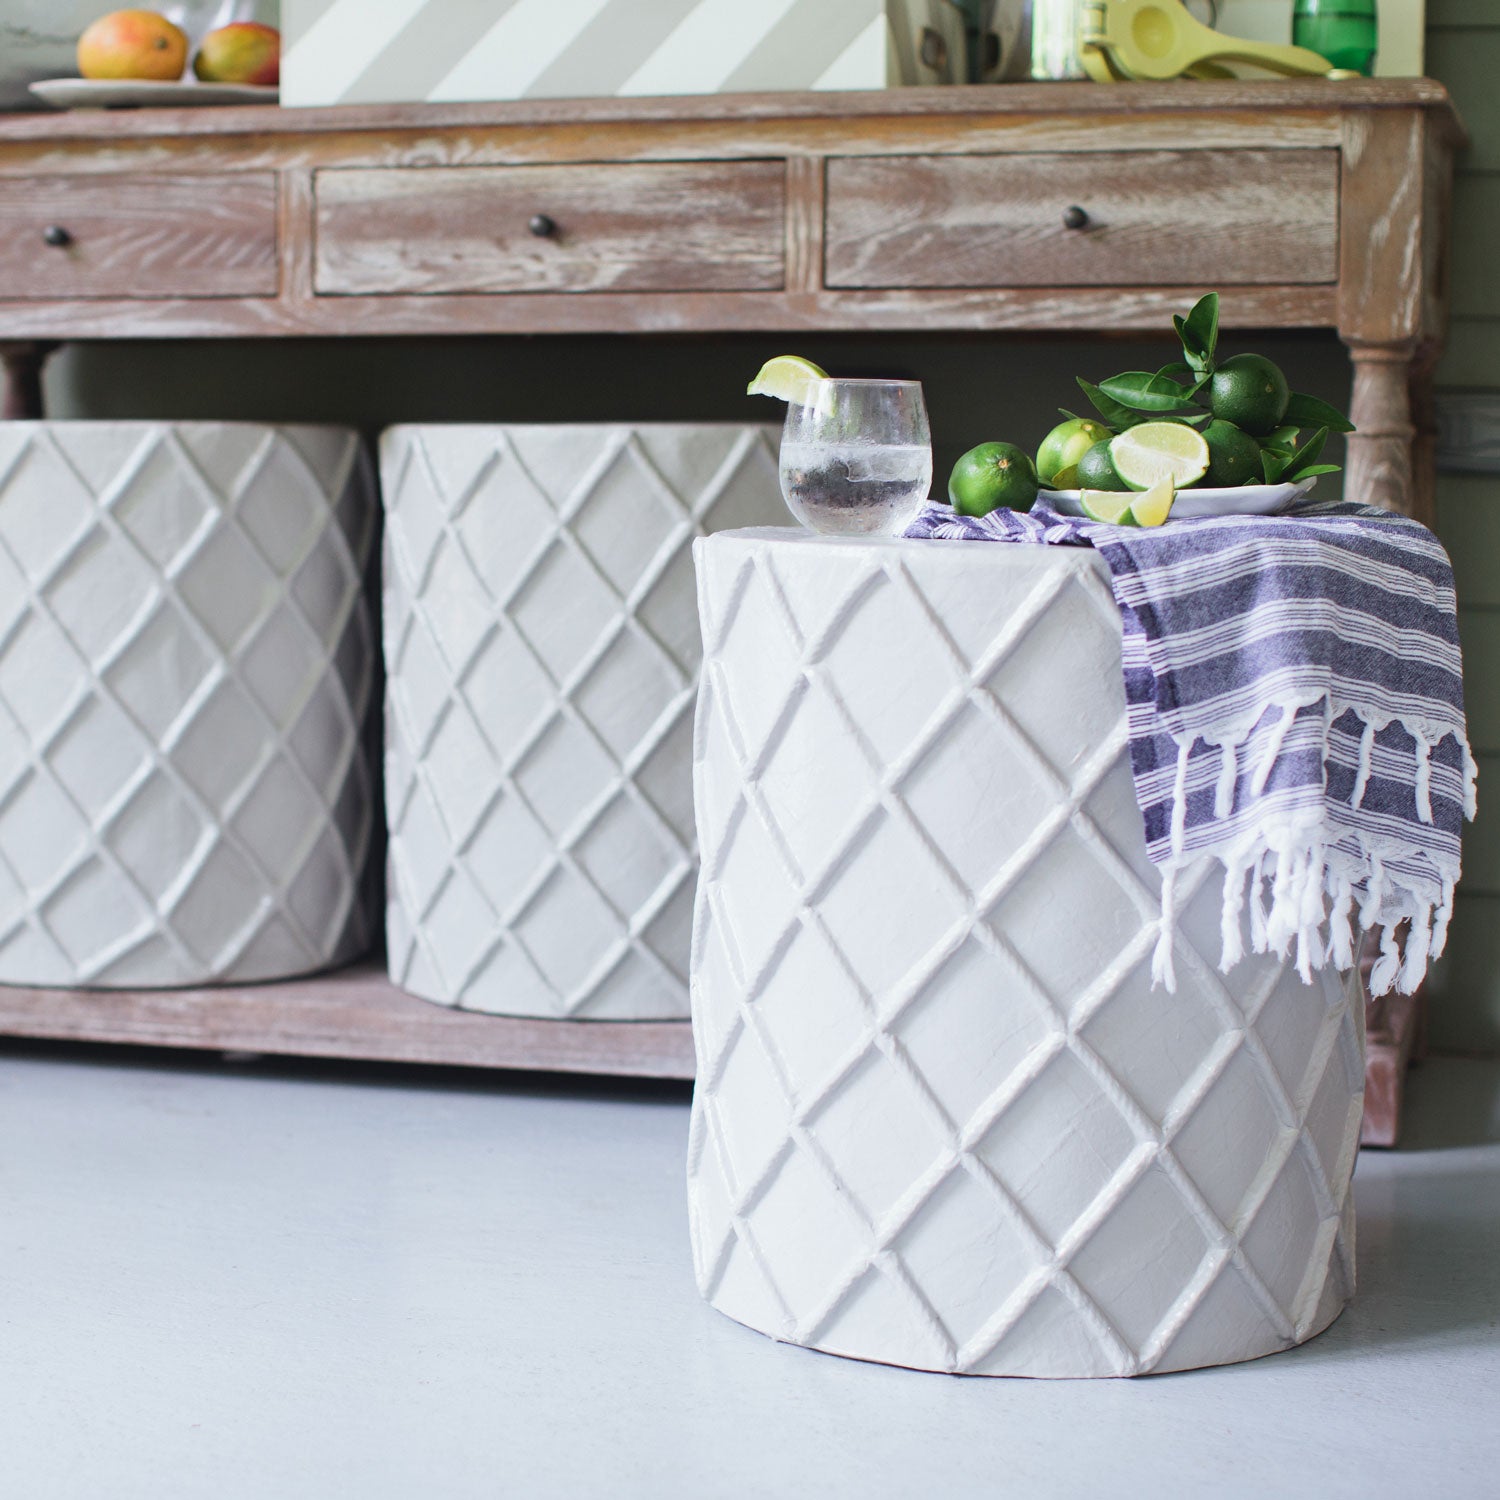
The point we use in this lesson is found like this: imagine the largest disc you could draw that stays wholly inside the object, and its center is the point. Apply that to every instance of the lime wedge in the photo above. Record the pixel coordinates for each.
(788, 377)
(1109, 506)
(1144, 456)
(1152, 508)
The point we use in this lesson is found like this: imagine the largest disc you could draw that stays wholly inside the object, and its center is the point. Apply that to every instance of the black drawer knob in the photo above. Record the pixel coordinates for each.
(1076, 218)
(543, 226)
(56, 235)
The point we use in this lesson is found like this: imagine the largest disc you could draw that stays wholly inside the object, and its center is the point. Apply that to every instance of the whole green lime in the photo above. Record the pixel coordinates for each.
(1251, 392)
(1065, 445)
(1096, 469)
(992, 475)
(1233, 456)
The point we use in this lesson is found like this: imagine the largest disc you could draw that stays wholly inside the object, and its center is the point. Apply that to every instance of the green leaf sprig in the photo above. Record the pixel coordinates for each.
(1175, 393)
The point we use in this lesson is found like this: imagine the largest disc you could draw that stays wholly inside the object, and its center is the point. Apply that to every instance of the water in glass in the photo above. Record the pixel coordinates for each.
(857, 461)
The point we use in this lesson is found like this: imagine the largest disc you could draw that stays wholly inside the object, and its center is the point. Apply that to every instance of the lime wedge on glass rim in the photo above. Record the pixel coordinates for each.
(790, 378)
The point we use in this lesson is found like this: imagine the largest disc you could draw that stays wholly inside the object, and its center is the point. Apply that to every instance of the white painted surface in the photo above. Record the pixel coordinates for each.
(259, 1283)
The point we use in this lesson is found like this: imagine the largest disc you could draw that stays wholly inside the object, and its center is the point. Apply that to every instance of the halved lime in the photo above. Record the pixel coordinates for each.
(1143, 456)
(1109, 506)
(788, 377)
(1152, 508)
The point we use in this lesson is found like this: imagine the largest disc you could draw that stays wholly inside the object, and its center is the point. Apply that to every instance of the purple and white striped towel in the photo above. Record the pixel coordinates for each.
(1295, 706)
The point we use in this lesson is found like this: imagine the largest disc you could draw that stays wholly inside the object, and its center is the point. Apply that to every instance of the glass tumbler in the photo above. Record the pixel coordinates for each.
(857, 460)
(1343, 31)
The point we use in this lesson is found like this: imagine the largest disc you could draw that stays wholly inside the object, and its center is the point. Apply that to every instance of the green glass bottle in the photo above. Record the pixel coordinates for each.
(1343, 31)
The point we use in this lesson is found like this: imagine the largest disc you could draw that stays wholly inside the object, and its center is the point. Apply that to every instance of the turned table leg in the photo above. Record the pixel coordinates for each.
(1391, 464)
(1380, 448)
(23, 379)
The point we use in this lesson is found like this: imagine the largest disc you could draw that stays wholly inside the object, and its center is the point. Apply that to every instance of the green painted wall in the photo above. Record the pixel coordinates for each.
(1463, 50)
(979, 387)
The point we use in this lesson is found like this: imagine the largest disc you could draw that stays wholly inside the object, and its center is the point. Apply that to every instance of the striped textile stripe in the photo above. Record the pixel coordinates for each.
(1294, 696)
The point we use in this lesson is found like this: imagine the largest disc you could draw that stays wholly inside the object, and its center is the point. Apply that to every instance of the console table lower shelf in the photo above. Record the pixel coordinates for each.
(354, 1013)
(358, 1014)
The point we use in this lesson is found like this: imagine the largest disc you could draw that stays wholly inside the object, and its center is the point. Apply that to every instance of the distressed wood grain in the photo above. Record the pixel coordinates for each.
(577, 142)
(804, 225)
(1381, 227)
(139, 235)
(1270, 99)
(353, 1013)
(1041, 310)
(1154, 218)
(670, 226)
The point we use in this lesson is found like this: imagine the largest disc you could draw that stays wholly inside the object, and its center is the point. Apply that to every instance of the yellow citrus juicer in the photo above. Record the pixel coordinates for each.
(1158, 39)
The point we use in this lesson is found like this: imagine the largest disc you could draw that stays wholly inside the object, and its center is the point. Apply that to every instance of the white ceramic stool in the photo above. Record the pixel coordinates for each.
(942, 1119)
(541, 646)
(186, 663)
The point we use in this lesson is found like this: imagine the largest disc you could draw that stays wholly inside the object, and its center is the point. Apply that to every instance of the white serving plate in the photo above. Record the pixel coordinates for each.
(1243, 500)
(147, 93)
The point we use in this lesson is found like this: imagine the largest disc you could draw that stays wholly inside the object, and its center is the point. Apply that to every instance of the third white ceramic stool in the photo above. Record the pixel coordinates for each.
(942, 1118)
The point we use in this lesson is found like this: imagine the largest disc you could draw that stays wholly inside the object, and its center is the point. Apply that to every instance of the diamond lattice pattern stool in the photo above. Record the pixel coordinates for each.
(942, 1119)
(186, 665)
(541, 642)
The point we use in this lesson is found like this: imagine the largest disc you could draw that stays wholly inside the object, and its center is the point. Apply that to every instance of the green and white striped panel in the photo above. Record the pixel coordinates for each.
(379, 51)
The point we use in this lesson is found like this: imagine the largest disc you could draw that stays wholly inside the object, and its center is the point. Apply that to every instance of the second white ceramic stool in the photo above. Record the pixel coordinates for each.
(541, 645)
(942, 1119)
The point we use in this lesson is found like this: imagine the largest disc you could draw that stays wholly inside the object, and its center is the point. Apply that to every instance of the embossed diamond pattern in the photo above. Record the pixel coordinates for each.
(186, 662)
(941, 1117)
(542, 651)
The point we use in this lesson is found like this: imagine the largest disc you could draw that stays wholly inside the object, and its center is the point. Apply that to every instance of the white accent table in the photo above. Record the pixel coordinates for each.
(942, 1118)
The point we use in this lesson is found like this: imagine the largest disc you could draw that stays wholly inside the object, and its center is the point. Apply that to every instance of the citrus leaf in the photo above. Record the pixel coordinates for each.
(1113, 413)
(1273, 464)
(1309, 451)
(1144, 391)
(1189, 341)
(1178, 367)
(1283, 440)
(1310, 412)
(1312, 471)
(1202, 326)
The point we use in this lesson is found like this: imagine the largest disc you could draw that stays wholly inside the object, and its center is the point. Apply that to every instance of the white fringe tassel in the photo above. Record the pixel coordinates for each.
(1306, 899)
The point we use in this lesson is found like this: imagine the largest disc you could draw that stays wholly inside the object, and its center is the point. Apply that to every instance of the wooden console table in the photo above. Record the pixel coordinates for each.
(1058, 207)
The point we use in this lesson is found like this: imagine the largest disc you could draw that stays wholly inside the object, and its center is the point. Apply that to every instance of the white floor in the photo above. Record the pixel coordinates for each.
(279, 1281)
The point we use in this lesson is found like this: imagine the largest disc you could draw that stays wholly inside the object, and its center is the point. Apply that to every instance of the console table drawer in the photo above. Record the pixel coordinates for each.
(647, 227)
(1159, 218)
(138, 235)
